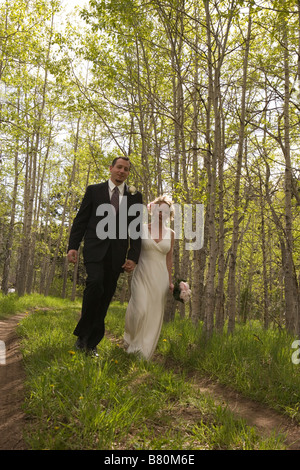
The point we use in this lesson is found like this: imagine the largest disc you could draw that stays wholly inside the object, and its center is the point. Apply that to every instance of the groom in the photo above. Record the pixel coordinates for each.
(105, 255)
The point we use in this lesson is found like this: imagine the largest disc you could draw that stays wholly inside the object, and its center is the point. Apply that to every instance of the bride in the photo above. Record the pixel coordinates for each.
(152, 278)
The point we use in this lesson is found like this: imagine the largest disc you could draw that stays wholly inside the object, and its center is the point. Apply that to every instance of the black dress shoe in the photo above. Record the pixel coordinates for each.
(80, 345)
(93, 352)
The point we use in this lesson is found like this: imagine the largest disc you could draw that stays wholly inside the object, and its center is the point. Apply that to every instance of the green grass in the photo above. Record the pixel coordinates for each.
(11, 304)
(118, 401)
(254, 361)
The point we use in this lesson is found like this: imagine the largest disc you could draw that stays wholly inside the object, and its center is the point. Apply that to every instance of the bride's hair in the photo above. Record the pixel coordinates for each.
(166, 200)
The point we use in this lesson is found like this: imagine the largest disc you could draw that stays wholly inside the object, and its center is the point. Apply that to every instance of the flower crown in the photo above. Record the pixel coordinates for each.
(160, 199)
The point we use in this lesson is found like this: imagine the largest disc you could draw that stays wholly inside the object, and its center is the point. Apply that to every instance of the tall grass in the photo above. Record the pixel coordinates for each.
(255, 361)
(117, 401)
(11, 304)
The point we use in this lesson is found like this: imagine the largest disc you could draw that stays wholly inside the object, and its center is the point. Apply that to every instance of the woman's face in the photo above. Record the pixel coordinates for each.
(161, 210)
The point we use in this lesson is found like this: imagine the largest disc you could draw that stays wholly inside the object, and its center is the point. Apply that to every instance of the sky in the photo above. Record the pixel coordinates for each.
(70, 4)
(69, 7)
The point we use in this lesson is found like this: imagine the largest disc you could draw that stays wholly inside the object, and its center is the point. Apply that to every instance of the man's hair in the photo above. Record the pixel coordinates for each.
(123, 158)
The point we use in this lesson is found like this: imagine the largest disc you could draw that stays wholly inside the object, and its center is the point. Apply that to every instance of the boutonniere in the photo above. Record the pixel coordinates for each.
(132, 190)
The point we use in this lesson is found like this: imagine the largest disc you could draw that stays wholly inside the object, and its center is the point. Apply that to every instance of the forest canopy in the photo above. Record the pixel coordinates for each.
(204, 98)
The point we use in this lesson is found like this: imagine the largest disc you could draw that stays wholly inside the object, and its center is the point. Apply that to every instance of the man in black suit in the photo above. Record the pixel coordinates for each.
(108, 248)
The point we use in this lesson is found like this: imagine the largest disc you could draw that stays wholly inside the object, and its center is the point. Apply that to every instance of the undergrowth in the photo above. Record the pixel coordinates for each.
(119, 401)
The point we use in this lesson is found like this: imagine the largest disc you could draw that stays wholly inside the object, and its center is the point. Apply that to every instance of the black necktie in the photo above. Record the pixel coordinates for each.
(115, 198)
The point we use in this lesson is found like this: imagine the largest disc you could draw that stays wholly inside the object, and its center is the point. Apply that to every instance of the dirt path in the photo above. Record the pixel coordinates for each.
(13, 421)
(266, 420)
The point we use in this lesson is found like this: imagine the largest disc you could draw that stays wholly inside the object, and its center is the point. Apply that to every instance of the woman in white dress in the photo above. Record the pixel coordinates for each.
(151, 281)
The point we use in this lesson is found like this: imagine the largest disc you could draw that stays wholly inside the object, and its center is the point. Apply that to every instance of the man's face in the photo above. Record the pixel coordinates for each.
(120, 171)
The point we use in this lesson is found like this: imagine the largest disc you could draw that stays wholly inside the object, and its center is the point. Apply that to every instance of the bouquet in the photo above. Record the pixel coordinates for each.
(181, 291)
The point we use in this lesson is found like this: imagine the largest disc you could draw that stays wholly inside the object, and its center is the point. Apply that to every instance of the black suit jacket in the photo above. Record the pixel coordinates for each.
(86, 222)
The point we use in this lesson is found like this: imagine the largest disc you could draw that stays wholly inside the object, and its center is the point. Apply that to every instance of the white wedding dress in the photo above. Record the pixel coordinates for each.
(149, 288)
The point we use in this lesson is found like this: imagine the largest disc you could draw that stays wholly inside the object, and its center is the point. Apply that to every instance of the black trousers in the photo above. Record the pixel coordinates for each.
(100, 287)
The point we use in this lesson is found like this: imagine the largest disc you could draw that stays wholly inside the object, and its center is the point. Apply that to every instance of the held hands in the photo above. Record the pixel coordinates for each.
(171, 286)
(129, 265)
(72, 256)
